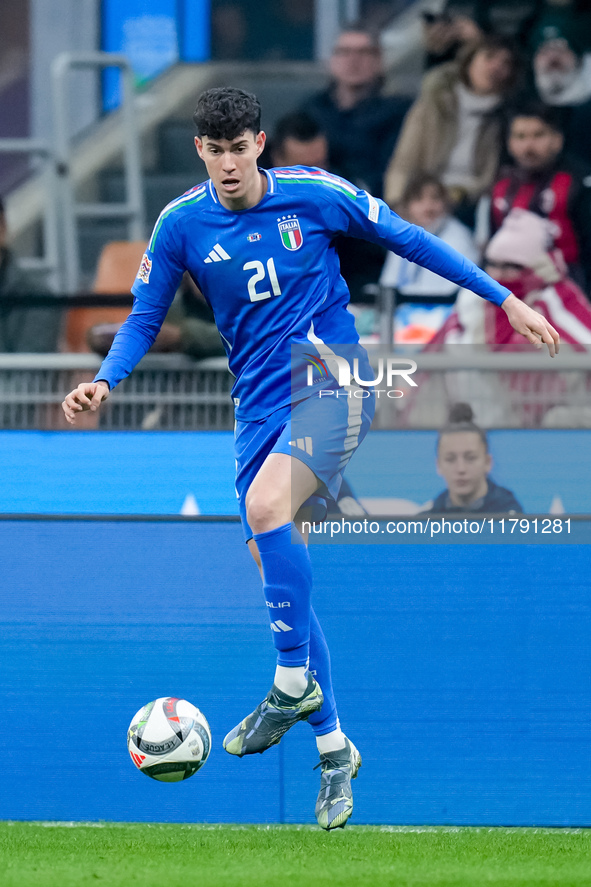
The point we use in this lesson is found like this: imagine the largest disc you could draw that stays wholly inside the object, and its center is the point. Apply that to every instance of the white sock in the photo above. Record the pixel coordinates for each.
(292, 681)
(331, 741)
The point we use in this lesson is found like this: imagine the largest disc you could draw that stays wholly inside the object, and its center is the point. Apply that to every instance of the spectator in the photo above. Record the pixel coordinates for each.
(562, 73)
(425, 203)
(298, 140)
(449, 27)
(545, 181)
(522, 257)
(464, 462)
(445, 32)
(189, 327)
(563, 79)
(361, 124)
(562, 18)
(23, 329)
(362, 127)
(454, 130)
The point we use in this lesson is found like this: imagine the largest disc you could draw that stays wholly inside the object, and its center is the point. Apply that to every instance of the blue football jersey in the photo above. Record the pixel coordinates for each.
(271, 275)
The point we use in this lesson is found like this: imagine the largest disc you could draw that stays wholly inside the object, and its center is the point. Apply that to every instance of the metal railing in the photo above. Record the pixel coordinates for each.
(169, 392)
(506, 389)
(174, 392)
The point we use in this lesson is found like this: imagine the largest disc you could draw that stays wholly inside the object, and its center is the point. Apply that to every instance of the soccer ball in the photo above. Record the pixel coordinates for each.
(169, 739)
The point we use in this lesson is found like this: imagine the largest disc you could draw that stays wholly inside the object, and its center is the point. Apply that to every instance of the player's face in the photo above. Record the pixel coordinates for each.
(232, 167)
(532, 144)
(462, 461)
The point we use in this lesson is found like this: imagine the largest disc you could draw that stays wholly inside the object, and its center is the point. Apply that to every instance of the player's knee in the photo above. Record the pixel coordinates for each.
(265, 511)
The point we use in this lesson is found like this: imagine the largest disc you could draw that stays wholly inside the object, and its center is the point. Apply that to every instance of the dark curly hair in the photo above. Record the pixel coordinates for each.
(226, 112)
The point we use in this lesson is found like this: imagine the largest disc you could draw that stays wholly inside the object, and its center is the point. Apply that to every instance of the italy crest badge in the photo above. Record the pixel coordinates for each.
(290, 231)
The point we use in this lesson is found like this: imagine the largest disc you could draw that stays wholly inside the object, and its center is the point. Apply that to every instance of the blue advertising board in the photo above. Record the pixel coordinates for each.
(461, 673)
(168, 472)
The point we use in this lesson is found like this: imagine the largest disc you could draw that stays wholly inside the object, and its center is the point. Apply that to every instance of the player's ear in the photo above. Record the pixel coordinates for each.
(488, 463)
(199, 146)
(260, 142)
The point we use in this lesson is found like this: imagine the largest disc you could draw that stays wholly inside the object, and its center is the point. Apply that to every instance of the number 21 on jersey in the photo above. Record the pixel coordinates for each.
(260, 274)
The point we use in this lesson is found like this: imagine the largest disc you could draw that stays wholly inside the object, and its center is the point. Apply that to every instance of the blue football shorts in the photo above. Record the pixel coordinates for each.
(323, 432)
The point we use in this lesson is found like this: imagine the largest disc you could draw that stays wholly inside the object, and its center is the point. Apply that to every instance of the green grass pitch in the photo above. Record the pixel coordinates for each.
(34, 854)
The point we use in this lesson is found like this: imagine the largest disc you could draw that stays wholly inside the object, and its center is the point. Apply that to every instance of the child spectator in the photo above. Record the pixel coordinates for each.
(522, 256)
(425, 203)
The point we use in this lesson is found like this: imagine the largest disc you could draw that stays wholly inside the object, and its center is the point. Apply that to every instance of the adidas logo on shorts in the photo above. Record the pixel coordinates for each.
(303, 443)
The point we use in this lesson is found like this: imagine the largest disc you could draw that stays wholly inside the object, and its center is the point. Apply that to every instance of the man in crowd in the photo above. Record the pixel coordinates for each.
(362, 127)
(361, 124)
(562, 75)
(547, 182)
(299, 140)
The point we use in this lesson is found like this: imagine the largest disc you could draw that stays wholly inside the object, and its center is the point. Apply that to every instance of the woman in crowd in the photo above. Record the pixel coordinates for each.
(465, 463)
(454, 129)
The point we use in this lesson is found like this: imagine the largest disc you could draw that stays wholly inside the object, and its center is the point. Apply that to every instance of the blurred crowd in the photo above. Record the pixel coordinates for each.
(495, 141)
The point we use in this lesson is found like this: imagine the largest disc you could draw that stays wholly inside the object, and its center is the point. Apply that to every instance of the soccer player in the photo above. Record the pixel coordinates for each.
(259, 244)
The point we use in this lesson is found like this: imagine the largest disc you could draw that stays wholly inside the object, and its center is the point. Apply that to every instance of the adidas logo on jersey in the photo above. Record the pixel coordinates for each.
(279, 625)
(217, 254)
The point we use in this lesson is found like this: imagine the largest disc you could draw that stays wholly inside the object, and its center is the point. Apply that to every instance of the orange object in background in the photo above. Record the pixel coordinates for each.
(116, 270)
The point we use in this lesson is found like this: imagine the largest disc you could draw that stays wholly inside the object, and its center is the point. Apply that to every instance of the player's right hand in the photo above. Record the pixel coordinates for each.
(87, 396)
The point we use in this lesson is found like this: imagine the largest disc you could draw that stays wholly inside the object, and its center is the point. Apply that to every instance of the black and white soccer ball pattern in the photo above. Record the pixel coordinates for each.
(169, 739)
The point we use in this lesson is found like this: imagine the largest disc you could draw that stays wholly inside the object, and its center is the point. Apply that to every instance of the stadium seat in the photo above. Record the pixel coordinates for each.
(117, 267)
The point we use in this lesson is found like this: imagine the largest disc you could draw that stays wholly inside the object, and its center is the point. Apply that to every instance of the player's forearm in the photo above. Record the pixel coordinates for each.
(433, 253)
(133, 339)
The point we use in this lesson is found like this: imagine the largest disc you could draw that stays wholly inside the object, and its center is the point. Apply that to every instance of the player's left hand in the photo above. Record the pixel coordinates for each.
(530, 324)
